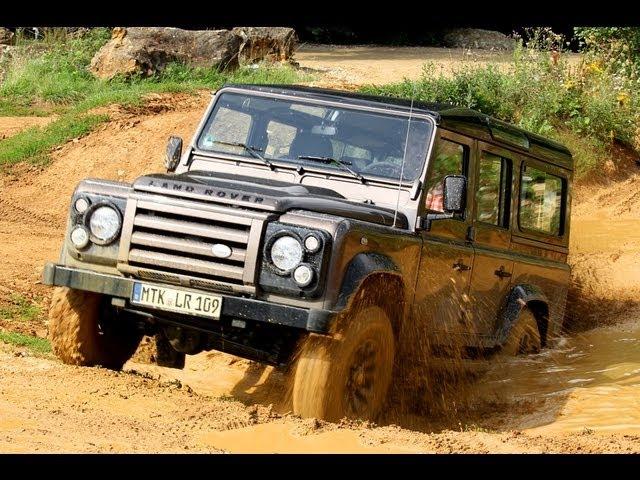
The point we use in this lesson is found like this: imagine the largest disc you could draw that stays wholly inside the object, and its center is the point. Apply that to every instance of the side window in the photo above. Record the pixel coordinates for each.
(280, 136)
(448, 159)
(228, 126)
(493, 195)
(541, 199)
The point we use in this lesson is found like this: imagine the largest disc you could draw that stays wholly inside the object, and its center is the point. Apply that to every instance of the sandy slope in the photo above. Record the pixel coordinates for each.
(580, 396)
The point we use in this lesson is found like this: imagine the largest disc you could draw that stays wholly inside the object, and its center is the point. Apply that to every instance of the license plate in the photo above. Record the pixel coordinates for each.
(176, 300)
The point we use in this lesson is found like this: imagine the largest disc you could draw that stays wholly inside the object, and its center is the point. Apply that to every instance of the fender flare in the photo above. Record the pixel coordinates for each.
(519, 297)
(360, 267)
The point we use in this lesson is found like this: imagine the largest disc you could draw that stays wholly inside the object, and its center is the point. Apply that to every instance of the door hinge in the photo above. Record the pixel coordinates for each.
(471, 233)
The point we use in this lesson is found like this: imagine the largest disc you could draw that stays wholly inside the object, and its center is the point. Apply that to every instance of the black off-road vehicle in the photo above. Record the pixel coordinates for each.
(340, 234)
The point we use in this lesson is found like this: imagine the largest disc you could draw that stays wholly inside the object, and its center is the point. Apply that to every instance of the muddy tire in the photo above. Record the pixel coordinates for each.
(348, 374)
(85, 331)
(524, 338)
(166, 355)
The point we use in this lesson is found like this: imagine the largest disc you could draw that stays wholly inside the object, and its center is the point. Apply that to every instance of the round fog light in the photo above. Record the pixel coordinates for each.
(80, 237)
(312, 243)
(303, 275)
(81, 205)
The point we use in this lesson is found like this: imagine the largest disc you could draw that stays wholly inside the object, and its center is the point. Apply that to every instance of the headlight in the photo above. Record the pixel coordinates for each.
(286, 253)
(105, 223)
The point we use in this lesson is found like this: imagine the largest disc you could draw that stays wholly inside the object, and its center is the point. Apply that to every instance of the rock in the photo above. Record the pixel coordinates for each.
(478, 38)
(275, 44)
(5, 50)
(146, 51)
(77, 32)
(7, 37)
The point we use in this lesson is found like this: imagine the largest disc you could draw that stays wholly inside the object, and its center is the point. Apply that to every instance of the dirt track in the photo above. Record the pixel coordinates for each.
(359, 65)
(580, 396)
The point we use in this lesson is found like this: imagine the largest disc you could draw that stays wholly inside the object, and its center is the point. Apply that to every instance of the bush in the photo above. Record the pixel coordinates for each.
(615, 49)
(51, 72)
(539, 92)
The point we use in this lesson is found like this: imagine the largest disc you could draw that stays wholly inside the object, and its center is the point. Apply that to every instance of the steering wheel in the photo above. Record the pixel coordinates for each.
(384, 169)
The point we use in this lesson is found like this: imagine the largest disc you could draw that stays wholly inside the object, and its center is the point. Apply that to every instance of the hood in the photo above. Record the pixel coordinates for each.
(264, 194)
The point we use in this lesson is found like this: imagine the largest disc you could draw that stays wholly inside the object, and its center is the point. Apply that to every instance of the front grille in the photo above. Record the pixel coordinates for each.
(169, 242)
(207, 285)
(159, 277)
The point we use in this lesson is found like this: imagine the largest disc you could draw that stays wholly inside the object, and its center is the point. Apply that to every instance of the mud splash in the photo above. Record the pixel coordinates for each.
(590, 381)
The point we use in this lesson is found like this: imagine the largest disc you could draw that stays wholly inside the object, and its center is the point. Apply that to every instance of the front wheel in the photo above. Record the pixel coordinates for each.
(84, 330)
(349, 374)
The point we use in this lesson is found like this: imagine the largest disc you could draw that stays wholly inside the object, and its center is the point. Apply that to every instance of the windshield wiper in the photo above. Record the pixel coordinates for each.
(253, 151)
(329, 160)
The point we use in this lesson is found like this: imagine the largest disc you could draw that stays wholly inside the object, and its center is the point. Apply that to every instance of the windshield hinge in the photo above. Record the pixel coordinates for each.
(415, 189)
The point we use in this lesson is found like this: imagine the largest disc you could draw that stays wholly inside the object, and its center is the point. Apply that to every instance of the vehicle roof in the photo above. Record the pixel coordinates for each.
(463, 120)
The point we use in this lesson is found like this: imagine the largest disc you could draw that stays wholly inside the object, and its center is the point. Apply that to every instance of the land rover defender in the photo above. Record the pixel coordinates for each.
(343, 236)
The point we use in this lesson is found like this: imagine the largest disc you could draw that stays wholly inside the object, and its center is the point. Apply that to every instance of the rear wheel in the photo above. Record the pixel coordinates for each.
(347, 375)
(524, 338)
(85, 330)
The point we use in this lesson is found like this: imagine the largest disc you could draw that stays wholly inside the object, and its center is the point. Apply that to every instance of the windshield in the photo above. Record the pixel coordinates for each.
(367, 143)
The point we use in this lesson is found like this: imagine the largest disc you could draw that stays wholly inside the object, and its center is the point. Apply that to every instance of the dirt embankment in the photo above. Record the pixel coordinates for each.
(580, 396)
(11, 125)
(33, 198)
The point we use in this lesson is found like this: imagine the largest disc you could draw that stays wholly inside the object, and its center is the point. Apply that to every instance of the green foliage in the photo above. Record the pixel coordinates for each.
(35, 344)
(51, 76)
(616, 49)
(20, 308)
(51, 72)
(34, 143)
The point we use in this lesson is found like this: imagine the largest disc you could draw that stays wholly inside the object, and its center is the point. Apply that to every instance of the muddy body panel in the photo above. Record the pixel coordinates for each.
(291, 207)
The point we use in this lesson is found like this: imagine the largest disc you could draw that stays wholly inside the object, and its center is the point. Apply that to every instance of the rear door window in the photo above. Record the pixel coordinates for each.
(493, 195)
(280, 136)
(541, 201)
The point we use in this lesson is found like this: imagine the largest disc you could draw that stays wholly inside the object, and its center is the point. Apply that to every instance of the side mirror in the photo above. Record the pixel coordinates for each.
(174, 152)
(454, 193)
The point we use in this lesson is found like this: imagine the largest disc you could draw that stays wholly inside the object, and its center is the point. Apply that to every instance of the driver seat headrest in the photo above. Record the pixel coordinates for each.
(307, 143)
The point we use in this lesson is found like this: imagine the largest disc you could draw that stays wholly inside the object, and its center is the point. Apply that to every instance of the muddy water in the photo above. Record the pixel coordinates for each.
(591, 381)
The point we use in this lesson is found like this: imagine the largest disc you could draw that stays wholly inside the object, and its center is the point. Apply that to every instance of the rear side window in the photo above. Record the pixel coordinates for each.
(541, 201)
(449, 159)
(494, 190)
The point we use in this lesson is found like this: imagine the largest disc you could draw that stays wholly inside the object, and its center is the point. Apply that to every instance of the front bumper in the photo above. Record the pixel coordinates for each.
(312, 320)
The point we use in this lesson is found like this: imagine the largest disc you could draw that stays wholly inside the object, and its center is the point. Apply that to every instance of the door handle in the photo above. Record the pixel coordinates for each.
(460, 267)
(502, 273)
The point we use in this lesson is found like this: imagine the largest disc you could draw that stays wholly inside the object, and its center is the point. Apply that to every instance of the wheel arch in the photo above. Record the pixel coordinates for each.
(377, 272)
(520, 297)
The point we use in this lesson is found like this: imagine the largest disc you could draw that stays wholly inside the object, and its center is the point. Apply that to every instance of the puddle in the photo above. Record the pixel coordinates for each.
(282, 438)
(593, 381)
